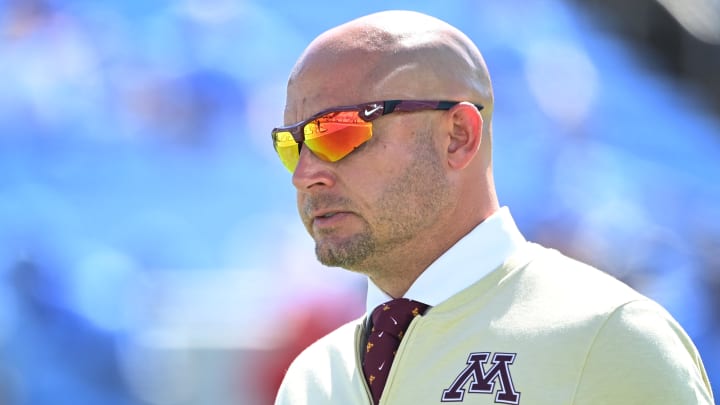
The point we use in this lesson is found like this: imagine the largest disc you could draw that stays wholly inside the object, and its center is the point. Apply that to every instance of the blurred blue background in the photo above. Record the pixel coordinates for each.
(150, 251)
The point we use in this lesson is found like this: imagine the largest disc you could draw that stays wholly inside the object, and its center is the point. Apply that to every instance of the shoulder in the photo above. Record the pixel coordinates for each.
(654, 359)
(569, 281)
(329, 359)
(542, 287)
(334, 344)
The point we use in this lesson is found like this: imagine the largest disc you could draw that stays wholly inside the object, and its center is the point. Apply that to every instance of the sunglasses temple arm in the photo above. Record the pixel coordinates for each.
(389, 106)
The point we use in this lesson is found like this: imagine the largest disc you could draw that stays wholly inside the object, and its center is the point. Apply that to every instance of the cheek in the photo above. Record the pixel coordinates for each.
(386, 158)
(368, 171)
(388, 168)
(304, 216)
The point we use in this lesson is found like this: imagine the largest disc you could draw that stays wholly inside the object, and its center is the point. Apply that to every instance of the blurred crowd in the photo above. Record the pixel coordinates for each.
(150, 251)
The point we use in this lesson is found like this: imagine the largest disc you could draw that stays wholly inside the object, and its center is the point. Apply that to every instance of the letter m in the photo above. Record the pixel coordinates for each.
(484, 382)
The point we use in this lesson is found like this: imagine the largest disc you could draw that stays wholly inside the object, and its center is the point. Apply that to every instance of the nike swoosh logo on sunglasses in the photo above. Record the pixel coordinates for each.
(368, 113)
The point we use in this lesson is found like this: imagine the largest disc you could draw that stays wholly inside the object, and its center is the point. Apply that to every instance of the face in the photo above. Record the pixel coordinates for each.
(376, 201)
(385, 200)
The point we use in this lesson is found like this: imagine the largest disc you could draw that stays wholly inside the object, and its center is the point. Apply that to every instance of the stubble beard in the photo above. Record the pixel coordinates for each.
(410, 204)
(349, 253)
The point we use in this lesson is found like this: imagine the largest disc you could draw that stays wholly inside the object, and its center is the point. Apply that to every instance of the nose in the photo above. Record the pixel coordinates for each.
(312, 172)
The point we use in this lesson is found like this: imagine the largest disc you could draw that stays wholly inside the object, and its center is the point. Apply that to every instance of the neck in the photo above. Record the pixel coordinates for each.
(396, 271)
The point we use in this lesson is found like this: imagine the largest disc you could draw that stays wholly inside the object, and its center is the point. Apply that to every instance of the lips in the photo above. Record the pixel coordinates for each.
(325, 219)
(323, 209)
(322, 212)
(326, 214)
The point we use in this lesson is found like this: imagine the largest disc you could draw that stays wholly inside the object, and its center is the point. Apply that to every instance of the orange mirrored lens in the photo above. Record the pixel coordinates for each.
(335, 135)
(330, 137)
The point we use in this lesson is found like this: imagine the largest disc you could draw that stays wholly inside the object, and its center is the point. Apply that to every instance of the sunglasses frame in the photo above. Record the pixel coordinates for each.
(368, 112)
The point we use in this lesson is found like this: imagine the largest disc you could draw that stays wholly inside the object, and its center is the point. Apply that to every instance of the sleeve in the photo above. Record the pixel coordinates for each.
(297, 384)
(285, 395)
(641, 355)
(325, 373)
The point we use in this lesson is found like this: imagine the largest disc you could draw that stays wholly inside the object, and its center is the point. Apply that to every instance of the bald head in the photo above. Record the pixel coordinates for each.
(388, 55)
(425, 180)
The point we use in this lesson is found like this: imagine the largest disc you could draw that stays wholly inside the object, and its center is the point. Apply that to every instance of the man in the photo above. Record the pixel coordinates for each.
(388, 138)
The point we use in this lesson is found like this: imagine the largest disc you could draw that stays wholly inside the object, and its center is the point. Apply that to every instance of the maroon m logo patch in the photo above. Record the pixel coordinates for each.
(483, 382)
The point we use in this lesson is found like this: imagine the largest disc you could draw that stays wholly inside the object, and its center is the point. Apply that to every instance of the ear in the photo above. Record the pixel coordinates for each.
(465, 134)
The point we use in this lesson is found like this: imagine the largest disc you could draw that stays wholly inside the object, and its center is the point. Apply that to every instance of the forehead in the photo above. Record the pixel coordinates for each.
(329, 82)
(326, 81)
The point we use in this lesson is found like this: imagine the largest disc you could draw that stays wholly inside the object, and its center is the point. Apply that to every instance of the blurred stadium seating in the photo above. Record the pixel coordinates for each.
(147, 229)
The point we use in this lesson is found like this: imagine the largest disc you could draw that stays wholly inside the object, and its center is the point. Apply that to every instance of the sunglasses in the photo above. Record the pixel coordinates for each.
(333, 133)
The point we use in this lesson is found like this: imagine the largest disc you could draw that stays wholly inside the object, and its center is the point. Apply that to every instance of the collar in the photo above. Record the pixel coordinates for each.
(478, 253)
